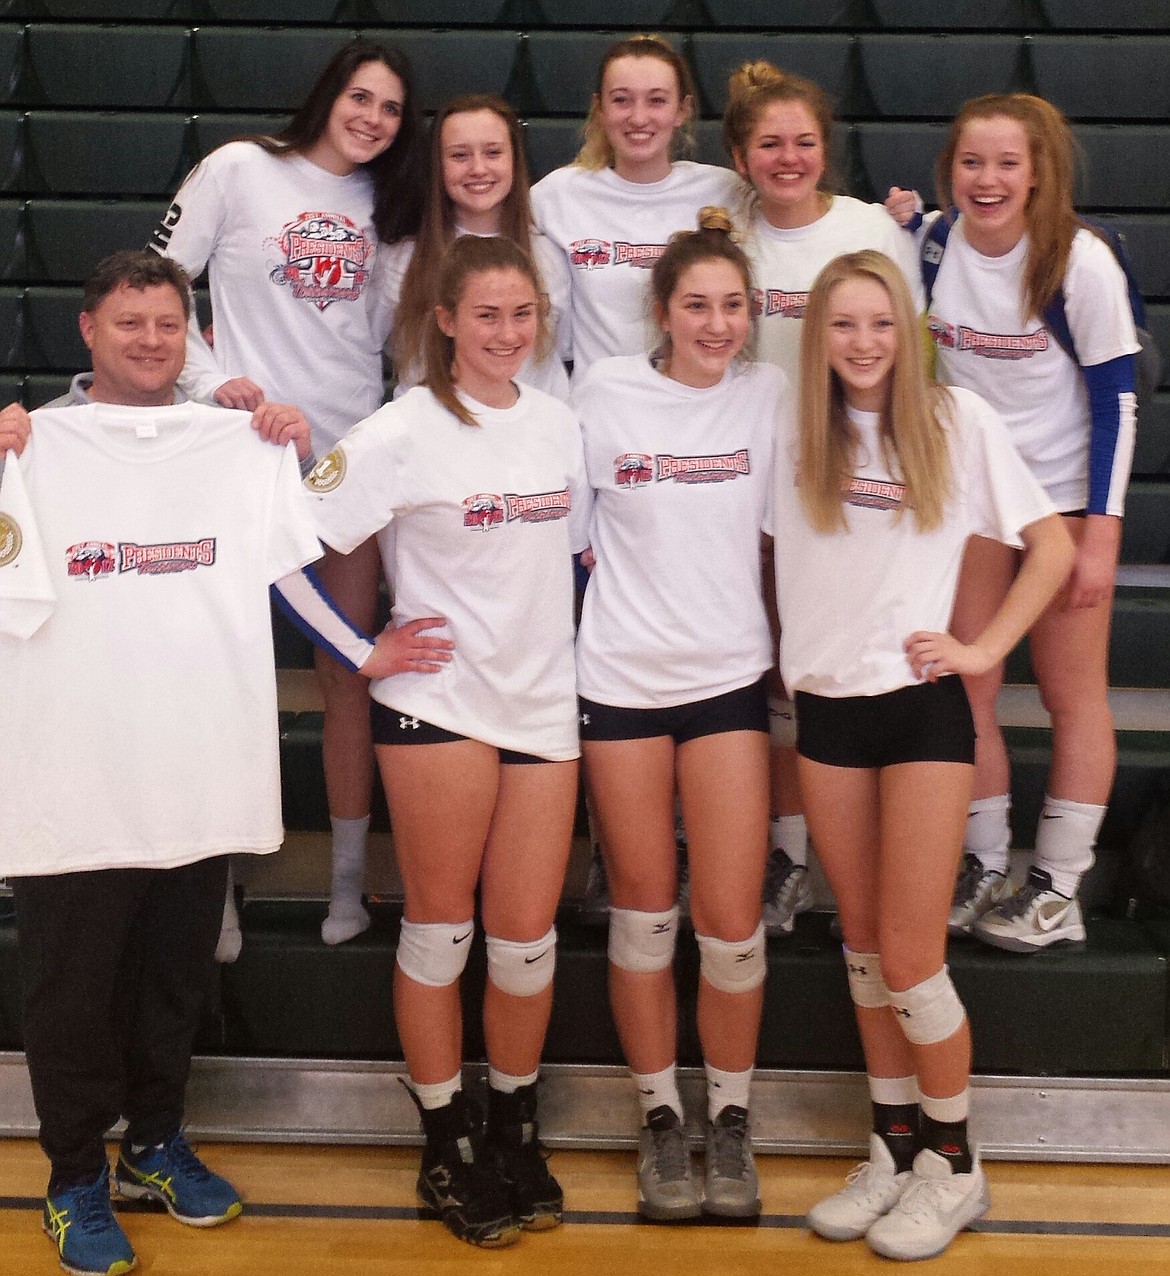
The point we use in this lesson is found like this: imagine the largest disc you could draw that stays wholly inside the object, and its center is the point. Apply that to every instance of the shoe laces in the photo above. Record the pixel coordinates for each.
(970, 875)
(92, 1211)
(925, 1199)
(1019, 903)
(777, 871)
(671, 1155)
(728, 1150)
(182, 1159)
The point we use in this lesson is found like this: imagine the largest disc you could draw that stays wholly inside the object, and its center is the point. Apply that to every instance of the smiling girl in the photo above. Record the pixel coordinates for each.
(291, 230)
(481, 481)
(612, 210)
(478, 186)
(778, 130)
(671, 653)
(881, 477)
(1007, 170)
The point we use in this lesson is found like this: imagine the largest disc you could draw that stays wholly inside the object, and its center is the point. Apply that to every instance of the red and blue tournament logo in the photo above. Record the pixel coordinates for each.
(483, 511)
(633, 469)
(589, 254)
(90, 560)
(324, 259)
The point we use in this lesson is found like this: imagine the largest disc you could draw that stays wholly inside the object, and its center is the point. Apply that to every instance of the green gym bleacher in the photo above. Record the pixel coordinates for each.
(104, 107)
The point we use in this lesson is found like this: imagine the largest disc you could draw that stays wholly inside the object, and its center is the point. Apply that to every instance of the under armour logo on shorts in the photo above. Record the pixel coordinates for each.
(405, 722)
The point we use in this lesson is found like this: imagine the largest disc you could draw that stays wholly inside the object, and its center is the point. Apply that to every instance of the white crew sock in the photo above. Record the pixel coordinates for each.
(988, 834)
(725, 1089)
(656, 1089)
(790, 832)
(347, 916)
(1065, 838)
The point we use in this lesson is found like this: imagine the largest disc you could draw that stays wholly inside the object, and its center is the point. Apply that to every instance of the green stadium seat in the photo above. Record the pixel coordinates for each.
(11, 328)
(550, 143)
(1145, 533)
(319, 11)
(212, 130)
(1125, 166)
(1158, 322)
(125, 67)
(67, 238)
(1151, 456)
(268, 69)
(107, 10)
(929, 15)
(779, 15)
(10, 61)
(11, 124)
(441, 13)
(1104, 77)
(104, 153)
(12, 261)
(52, 339)
(933, 75)
(447, 63)
(1092, 15)
(897, 154)
(563, 69)
(822, 58)
(43, 387)
(11, 388)
(645, 15)
(1147, 240)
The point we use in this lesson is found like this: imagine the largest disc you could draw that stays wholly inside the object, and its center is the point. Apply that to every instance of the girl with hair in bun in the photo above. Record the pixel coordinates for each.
(474, 486)
(292, 230)
(672, 650)
(778, 130)
(612, 210)
(882, 476)
(1014, 243)
(478, 186)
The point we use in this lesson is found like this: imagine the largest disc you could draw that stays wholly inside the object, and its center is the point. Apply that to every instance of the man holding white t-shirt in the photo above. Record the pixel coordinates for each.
(139, 534)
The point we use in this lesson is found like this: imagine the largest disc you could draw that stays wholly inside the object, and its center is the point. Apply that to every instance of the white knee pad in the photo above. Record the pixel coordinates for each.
(734, 967)
(434, 953)
(642, 942)
(930, 1011)
(866, 985)
(522, 968)
(781, 723)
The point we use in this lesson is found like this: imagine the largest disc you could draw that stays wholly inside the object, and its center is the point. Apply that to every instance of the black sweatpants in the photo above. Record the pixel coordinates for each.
(116, 964)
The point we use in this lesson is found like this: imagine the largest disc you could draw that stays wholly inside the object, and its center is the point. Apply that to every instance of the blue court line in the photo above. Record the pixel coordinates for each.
(789, 1222)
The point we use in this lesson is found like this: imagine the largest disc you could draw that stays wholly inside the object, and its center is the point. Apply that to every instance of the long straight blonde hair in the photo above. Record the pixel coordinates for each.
(913, 423)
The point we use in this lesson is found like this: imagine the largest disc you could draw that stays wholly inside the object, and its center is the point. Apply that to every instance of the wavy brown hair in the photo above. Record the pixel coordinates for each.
(752, 88)
(469, 255)
(1049, 216)
(712, 241)
(596, 152)
(914, 423)
(420, 284)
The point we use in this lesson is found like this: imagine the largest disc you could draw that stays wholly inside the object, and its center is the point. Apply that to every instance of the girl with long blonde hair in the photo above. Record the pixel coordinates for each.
(881, 477)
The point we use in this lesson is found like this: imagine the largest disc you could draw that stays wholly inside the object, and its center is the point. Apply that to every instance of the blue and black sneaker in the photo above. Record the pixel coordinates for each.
(89, 1239)
(172, 1174)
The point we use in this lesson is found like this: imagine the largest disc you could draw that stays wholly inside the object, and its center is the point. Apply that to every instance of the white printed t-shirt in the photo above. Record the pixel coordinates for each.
(477, 524)
(611, 231)
(986, 342)
(785, 264)
(848, 600)
(138, 720)
(292, 257)
(682, 483)
(547, 374)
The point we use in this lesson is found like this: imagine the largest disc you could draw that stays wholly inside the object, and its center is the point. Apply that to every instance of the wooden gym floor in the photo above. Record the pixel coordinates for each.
(350, 1211)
